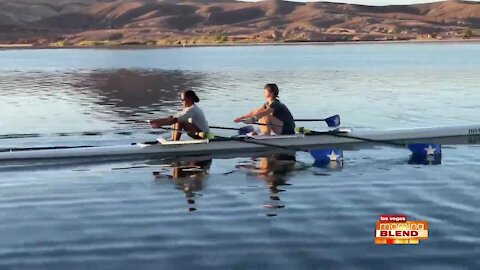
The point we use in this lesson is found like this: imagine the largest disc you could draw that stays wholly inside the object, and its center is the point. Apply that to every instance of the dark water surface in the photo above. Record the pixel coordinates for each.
(243, 212)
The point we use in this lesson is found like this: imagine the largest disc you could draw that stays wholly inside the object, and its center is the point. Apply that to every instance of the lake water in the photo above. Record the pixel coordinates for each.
(238, 212)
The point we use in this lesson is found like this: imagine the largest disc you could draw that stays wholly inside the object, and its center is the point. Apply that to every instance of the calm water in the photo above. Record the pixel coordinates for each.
(244, 212)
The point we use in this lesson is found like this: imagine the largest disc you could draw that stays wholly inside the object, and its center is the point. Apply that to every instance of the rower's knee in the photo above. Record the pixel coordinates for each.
(178, 126)
(264, 128)
(274, 124)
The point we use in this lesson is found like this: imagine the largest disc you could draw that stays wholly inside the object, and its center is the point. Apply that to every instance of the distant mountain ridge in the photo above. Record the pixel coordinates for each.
(207, 21)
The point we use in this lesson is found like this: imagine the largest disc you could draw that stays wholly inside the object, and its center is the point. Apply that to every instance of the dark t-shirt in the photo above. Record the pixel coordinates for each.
(281, 112)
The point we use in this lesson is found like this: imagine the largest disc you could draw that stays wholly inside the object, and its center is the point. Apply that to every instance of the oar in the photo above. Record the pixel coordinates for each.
(127, 131)
(43, 148)
(342, 135)
(242, 131)
(332, 121)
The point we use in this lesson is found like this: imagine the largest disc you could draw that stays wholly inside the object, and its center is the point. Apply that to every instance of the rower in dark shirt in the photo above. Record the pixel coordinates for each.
(274, 115)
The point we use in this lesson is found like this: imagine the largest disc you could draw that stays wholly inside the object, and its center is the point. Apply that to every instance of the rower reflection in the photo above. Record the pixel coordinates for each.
(187, 177)
(274, 170)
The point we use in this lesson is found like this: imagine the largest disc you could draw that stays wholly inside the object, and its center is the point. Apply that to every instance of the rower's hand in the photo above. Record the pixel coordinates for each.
(238, 120)
(154, 124)
(249, 121)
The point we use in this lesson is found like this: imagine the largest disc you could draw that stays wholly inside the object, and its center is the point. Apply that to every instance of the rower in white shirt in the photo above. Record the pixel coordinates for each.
(191, 119)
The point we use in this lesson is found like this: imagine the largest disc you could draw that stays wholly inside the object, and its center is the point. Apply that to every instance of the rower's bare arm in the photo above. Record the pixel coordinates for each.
(156, 123)
(257, 111)
(249, 115)
(264, 112)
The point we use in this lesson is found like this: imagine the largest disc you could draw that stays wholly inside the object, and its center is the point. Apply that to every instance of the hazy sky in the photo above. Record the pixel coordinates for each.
(373, 2)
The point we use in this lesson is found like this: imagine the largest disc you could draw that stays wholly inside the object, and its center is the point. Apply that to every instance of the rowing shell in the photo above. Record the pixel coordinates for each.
(341, 138)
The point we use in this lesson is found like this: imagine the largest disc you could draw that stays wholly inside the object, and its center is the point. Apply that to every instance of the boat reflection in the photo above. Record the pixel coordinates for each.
(474, 139)
(188, 176)
(274, 170)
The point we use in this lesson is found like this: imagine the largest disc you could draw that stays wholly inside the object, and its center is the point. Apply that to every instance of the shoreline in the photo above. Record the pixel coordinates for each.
(259, 44)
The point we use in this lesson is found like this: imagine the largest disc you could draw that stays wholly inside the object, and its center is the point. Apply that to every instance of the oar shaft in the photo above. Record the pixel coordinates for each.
(125, 131)
(309, 120)
(43, 148)
(225, 128)
(252, 141)
(336, 134)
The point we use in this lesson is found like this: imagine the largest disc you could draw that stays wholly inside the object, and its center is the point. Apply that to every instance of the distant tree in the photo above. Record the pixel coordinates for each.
(467, 33)
(221, 38)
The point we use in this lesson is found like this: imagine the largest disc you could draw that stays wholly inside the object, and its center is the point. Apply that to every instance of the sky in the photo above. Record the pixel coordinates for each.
(372, 2)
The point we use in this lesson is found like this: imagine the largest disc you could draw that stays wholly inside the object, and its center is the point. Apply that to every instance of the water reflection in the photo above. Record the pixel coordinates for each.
(188, 176)
(90, 100)
(425, 159)
(131, 93)
(331, 166)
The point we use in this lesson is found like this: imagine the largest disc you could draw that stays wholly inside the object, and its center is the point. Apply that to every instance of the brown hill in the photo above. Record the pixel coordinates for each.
(30, 11)
(204, 21)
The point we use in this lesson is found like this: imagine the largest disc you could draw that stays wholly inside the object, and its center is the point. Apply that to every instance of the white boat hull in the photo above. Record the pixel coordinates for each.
(465, 134)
